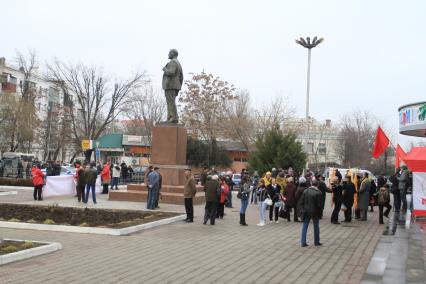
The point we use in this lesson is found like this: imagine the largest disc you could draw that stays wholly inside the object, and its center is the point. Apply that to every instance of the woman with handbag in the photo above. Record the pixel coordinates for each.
(243, 194)
(274, 191)
(263, 200)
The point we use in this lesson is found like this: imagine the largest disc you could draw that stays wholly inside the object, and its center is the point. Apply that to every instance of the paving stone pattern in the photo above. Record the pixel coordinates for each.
(197, 253)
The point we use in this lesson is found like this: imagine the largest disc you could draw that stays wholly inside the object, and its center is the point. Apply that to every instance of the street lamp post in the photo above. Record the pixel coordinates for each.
(309, 45)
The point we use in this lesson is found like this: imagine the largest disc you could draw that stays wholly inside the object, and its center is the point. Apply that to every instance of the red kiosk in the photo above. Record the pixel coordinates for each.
(416, 162)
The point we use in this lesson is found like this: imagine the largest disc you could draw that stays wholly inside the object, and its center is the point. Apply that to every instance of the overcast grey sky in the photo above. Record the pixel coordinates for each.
(373, 57)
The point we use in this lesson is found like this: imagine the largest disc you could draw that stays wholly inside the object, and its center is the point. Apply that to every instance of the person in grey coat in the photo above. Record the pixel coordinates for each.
(403, 179)
(364, 196)
(153, 180)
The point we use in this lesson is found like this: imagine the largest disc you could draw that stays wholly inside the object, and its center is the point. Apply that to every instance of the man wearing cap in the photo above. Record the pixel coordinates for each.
(189, 191)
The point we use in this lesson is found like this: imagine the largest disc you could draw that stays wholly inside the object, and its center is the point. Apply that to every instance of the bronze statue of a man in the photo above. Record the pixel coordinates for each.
(172, 83)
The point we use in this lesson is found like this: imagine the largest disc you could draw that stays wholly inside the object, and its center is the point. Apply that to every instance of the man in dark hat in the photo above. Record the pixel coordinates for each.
(189, 191)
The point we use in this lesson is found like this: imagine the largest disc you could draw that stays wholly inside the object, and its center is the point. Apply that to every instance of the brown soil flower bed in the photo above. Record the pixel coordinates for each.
(84, 217)
(8, 246)
(16, 182)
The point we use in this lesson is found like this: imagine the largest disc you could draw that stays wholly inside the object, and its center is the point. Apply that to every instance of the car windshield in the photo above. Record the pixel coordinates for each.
(237, 176)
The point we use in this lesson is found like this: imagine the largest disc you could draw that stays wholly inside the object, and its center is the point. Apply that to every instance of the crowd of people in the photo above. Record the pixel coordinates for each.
(278, 193)
(282, 194)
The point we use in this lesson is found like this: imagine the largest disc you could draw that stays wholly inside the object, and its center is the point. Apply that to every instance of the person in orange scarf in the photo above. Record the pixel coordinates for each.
(38, 181)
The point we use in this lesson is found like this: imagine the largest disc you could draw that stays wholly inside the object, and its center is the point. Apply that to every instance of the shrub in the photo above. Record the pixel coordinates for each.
(10, 249)
(27, 245)
(49, 222)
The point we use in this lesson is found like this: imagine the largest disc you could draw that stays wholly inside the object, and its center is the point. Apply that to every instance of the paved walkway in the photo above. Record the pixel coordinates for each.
(400, 254)
(197, 253)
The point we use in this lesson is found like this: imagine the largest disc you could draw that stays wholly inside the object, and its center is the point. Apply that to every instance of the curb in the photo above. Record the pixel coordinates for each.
(10, 192)
(29, 253)
(9, 187)
(91, 230)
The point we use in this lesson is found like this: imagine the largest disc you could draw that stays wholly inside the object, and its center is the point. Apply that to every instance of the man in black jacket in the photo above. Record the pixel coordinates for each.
(322, 187)
(337, 190)
(348, 197)
(311, 209)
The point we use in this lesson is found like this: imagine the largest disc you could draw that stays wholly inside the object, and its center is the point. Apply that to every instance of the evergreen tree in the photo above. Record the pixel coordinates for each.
(201, 153)
(277, 150)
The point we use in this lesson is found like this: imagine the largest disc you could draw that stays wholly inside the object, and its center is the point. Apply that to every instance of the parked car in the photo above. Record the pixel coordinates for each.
(236, 178)
(64, 171)
(343, 171)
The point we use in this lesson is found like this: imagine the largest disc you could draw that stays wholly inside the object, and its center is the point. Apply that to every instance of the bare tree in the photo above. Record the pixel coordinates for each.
(18, 112)
(146, 108)
(97, 99)
(204, 103)
(274, 113)
(357, 134)
(240, 120)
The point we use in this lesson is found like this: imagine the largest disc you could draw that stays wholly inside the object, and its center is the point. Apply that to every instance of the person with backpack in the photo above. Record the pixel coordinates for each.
(243, 194)
(383, 199)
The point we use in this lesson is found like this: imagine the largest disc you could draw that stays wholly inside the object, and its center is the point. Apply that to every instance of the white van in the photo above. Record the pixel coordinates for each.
(344, 171)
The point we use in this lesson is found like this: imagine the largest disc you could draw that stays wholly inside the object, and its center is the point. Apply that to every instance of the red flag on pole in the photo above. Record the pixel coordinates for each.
(381, 143)
(399, 154)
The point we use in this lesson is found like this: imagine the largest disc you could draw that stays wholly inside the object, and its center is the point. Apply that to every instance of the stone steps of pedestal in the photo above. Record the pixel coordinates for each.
(164, 189)
(141, 196)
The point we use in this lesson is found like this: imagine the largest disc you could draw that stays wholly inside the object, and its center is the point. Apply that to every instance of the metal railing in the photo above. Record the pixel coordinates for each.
(15, 173)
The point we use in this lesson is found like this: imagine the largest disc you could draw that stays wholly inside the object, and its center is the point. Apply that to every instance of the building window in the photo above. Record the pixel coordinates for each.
(53, 95)
(322, 149)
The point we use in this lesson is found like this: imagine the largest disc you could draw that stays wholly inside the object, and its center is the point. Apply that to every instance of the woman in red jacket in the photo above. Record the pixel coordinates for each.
(105, 178)
(224, 189)
(38, 181)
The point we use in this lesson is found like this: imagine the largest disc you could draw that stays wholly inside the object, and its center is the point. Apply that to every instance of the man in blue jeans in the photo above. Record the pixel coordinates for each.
(311, 208)
(90, 176)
